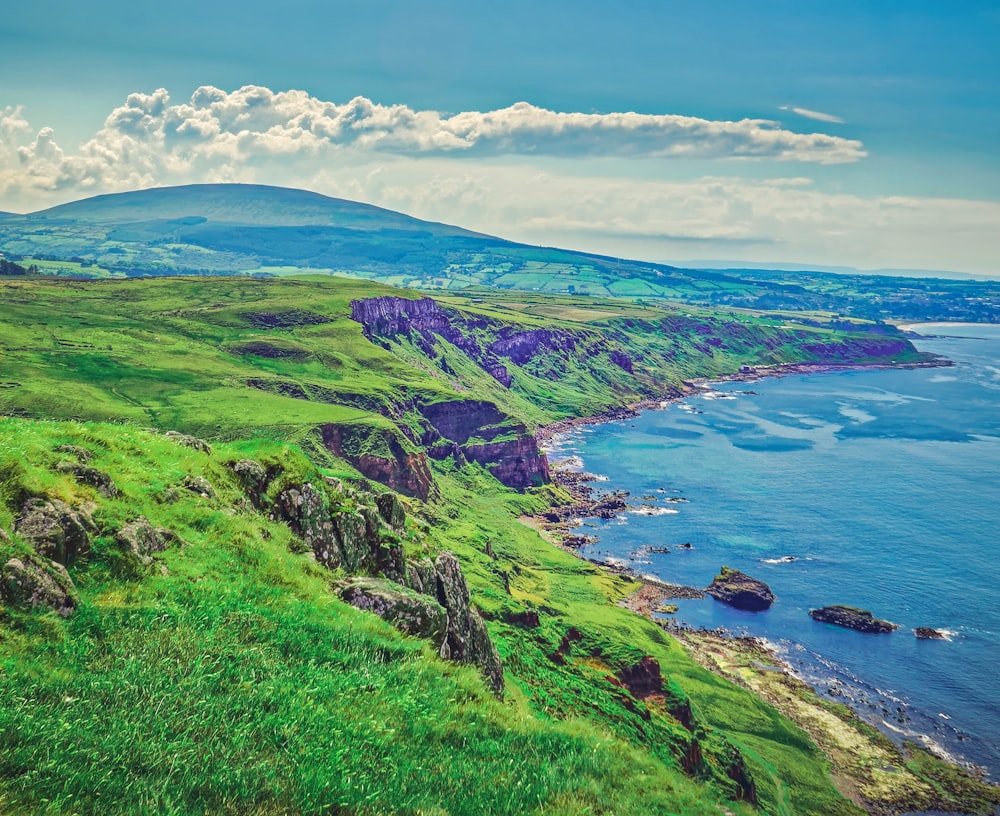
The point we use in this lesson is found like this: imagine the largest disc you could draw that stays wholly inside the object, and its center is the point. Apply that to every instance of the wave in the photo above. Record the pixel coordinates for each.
(648, 510)
(785, 559)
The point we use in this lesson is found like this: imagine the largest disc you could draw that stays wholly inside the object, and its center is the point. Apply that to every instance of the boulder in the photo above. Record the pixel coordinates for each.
(468, 641)
(54, 530)
(80, 453)
(200, 485)
(410, 612)
(391, 510)
(352, 533)
(192, 442)
(140, 539)
(740, 590)
(36, 581)
(420, 576)
(926, 633)
(861, 620)
(305, 511)
(85, 474)
(252, 478)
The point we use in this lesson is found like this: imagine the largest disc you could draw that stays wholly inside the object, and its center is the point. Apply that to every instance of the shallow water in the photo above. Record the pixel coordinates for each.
(874, 488)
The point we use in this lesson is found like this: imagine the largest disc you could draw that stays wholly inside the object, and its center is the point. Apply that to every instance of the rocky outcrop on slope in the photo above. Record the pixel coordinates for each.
(411, 612)
(740, 590)
(36, 581)
(54, 530)
(85, 474)
(861, 620)
(139, 540)
(386, 461)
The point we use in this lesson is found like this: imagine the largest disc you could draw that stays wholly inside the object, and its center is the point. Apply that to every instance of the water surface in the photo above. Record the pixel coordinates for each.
(882, 485)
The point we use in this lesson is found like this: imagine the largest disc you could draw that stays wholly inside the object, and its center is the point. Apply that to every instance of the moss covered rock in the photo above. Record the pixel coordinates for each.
(36, 581)
(54, 530)
(410, 612)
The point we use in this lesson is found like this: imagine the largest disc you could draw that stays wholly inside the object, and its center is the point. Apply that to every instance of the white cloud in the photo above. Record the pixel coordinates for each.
(818, 116)
(151, 140)
(525, 173)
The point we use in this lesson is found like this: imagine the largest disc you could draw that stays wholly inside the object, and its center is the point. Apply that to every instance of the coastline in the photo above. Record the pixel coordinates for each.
(867, 766)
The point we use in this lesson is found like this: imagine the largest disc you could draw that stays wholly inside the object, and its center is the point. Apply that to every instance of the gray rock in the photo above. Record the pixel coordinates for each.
(85, 474)
(200, 485)
(54, 530)
(140, 540)
(305, 511)
(35, 581)
(861, 620)
(352, 533)
(421, 577)
(252, 478)
(391, 510)
(927, 633)
(80, 453)
(187, 441)
(410, 612)
(468, 640)
(740, 590)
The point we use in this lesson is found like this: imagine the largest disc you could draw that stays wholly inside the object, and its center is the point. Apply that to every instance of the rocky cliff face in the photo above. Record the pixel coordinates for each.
(515, 463)
(387, 462)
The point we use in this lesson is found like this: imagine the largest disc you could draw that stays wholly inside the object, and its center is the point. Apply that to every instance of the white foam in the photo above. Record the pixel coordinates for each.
(646, 510)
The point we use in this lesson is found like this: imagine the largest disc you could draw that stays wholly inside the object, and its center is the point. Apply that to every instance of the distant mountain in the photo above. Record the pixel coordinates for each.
(248, 229)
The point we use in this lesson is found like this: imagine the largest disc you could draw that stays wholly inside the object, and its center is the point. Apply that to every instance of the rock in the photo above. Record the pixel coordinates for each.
(420, 576)
(926, 633)
(54, 530)
(355, 545)
(252, 478)
(80, 453)
(305, 511)
(86, 474)
(860, 620)
(643, 678)
(192, 442)
(200, 485)
(740, 590)
(35, 581)
(391, 510)
(468, 641)
(140, 539)
(527, 619)
(410, 612)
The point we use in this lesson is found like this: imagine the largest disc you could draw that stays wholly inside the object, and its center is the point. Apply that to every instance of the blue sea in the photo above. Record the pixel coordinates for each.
(871, 488)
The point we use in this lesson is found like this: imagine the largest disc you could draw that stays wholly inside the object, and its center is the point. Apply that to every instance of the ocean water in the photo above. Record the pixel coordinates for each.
(882, 485)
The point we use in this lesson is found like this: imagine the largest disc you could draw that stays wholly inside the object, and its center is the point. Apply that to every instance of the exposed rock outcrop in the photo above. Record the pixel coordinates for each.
(140, 540)
(861, 620)
(252, 478)
(740, 590)
(36, 581)
(304, 509)
(926, 633)
(187, 441)
(54, 530)
(409, 611)
(85, 474)
(404, 472)
(516, 463)
(391, 510)
(643, 678)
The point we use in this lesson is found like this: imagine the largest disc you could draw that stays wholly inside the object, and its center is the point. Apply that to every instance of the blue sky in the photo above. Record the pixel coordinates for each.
(878, 143)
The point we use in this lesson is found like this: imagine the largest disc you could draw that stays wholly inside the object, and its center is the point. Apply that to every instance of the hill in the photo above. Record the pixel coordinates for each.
(261, 553)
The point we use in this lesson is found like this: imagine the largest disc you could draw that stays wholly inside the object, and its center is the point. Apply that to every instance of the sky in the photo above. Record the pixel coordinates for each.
(859, 133)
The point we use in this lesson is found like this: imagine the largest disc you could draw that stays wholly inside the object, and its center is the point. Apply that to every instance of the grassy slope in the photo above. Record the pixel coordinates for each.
(218, 659)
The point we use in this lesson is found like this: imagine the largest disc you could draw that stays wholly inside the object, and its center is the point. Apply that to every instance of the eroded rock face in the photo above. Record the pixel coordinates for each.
(252, 478)
(643, 678)
(404, 472)
(359, 552)
(391, 510)
(861, 620)
(36, 581)
(411, 612)
(54, 529)
(740, 590)
(516, 463)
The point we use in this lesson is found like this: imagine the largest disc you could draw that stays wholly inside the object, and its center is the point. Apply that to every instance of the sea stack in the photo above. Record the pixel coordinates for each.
(861, 620)
(740, 590)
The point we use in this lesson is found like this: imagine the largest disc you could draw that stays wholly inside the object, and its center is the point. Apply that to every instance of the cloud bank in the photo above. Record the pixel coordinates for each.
(151, 140)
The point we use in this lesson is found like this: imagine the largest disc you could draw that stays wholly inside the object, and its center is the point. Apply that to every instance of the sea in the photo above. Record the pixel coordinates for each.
(874, 488)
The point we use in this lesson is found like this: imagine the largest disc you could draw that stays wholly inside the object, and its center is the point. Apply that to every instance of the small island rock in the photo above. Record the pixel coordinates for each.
(740, 590)
(861, 620)
(926, 633)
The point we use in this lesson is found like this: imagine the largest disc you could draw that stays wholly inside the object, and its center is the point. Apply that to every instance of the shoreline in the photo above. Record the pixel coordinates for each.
(867, 766)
